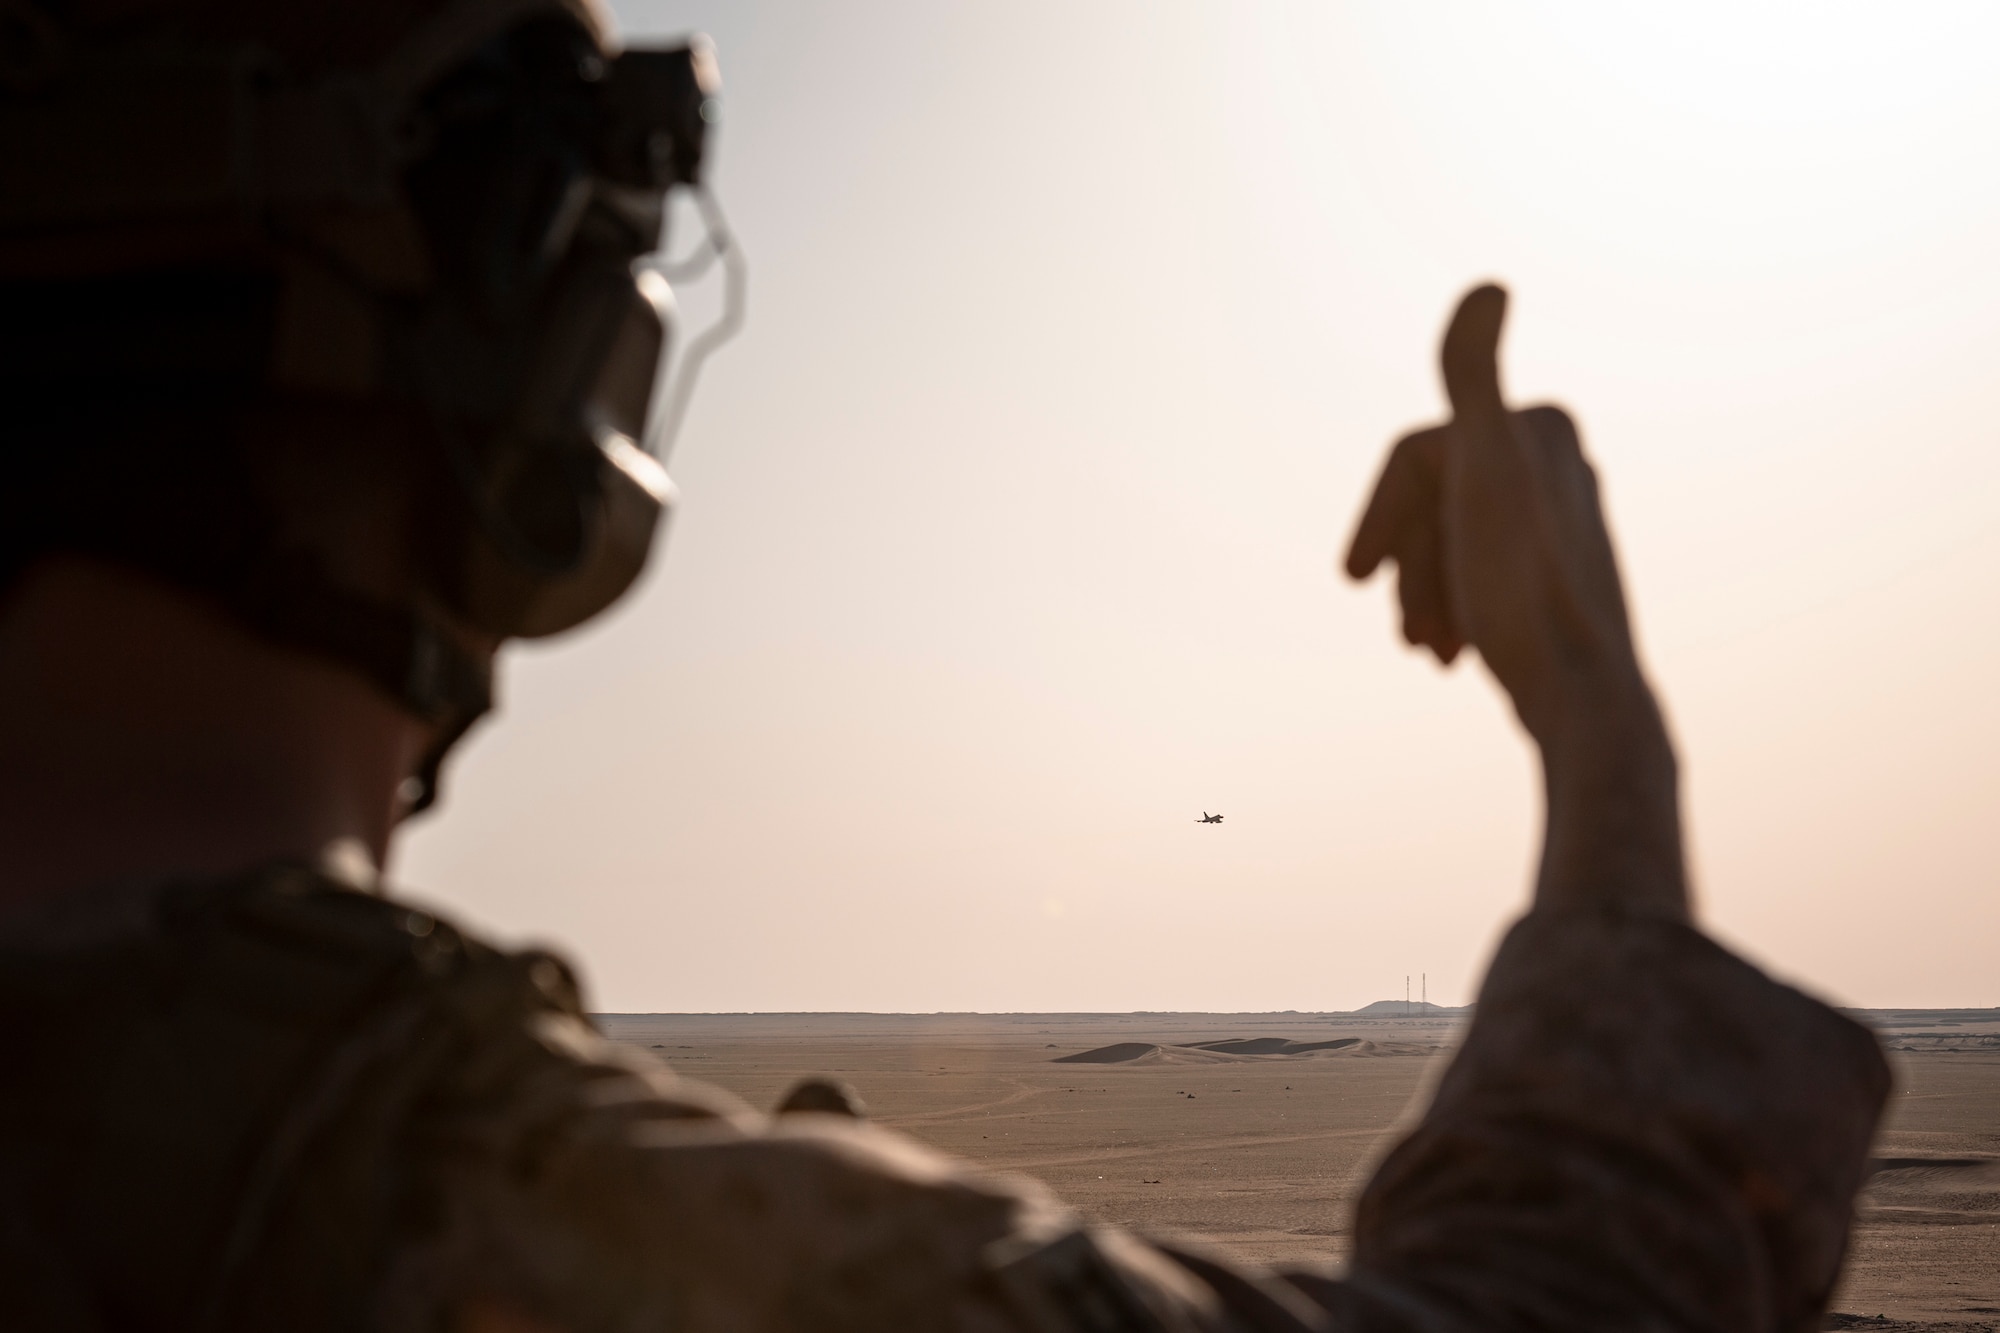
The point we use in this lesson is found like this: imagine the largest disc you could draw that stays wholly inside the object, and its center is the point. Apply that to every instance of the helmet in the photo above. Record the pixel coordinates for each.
(211, 209)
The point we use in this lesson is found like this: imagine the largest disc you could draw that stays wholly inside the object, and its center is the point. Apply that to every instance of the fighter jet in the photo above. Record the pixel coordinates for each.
(1207, 818)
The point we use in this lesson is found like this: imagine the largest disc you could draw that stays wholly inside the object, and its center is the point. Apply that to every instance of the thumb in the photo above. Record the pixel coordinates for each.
(1471, 356)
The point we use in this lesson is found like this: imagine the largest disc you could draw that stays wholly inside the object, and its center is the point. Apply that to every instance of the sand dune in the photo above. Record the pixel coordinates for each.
(1233, 1049)
(1274, 1045)
(1118, 1053)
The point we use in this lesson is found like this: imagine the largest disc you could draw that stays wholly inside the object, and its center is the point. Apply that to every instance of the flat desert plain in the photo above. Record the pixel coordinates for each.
(1258, 1130)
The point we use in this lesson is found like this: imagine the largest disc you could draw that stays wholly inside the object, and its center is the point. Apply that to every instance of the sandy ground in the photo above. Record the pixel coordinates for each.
(1927, 1243)
(1264, 1153)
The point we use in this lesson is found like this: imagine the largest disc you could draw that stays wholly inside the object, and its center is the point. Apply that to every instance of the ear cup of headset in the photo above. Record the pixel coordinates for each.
(558, 533)
(564, 512)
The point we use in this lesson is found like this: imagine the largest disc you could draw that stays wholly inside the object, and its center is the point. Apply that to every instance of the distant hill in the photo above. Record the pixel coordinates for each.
(1413, 1008)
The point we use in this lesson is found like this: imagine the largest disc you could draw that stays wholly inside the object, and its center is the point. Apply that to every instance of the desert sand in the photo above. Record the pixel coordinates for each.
(1257, 1130)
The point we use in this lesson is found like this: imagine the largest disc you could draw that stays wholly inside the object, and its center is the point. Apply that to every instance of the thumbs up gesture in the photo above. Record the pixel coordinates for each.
(1499, 542)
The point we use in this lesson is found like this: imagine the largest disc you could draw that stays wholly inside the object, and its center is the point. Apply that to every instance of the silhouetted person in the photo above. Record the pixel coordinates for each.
(325, 360)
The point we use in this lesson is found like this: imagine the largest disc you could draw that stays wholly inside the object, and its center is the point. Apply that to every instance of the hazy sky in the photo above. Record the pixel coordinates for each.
(1076, 333)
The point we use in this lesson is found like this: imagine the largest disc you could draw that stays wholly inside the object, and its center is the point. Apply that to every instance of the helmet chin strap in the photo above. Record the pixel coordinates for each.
(407, 653)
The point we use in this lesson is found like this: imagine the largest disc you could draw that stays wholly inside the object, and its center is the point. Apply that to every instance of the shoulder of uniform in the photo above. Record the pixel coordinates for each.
(314, 912)
(280, 939)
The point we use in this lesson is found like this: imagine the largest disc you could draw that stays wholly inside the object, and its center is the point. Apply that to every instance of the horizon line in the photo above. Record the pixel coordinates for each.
(1158, 1013)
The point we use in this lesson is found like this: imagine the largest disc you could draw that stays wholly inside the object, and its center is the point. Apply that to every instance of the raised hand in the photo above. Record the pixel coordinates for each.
(1499, 542)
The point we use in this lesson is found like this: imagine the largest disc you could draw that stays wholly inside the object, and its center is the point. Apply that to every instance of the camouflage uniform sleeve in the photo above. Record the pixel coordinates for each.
(273, 1102)
(1641, 1131)
(582, 1185)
